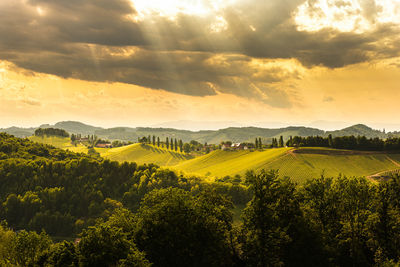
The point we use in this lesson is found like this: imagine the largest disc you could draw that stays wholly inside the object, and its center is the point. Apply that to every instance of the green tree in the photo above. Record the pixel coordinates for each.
(259, 143)
(176, 145)
(167, 143)
(256, 143)
(104, 245)
(266, 218)
(7, 238)
(59, 254)
(28, 246)
(180, 145)
(186, 148)
(281, 141)
(176, 229)
(330, 140)
(154, 140)
(158, 141)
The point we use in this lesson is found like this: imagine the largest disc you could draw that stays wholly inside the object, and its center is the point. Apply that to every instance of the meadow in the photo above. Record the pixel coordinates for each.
(142, 154)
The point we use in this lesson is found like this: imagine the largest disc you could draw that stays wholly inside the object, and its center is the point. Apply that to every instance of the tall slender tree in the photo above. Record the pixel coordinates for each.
(281, 141)
(259, 143)
(154, 140)
(330, 140)
(158, 141)
(167, 143)
(180, 145)
(256, 143)
(176, 145)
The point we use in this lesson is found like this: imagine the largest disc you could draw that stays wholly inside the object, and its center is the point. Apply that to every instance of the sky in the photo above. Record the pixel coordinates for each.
(249, 62)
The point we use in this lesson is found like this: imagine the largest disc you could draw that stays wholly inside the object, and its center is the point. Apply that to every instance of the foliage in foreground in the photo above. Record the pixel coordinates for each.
(326, 222)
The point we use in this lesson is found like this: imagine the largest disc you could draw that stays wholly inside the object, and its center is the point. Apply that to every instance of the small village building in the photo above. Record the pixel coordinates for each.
(107, 145)
(225, 146)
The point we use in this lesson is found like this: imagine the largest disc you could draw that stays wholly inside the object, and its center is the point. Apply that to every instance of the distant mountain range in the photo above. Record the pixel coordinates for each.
(235, 134)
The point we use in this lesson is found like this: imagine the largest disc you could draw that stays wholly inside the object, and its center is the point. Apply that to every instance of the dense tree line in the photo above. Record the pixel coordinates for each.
(176, 145)
(51, 132)
(346, 142)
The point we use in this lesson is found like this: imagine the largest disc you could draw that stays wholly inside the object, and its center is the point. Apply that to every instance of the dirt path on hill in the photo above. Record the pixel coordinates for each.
(376, 175)
(392, 160)
(291, 152)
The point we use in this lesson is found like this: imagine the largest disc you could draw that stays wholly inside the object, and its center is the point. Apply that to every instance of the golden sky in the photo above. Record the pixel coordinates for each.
(140, 63)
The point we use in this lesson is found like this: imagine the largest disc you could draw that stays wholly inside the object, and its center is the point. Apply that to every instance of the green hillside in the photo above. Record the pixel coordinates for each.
(235, 134)
(141, 154)
(358, 129)
(59, 142)
(74, 127)
(221, 163)
(300, 164)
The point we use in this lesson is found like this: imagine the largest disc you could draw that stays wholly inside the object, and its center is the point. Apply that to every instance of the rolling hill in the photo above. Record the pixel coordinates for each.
(235, 134)
(141, 154)
(221, 163)
(299, 164)
(59, 142)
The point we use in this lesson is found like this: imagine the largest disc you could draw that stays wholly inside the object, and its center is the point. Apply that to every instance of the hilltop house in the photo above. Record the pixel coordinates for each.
(106, 145)
(237, 146)
(225, 146)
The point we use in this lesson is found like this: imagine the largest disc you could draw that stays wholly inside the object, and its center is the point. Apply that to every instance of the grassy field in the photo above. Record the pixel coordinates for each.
(301, 166)
(221, 163)
(298, 164)
(60, 142)
(143, 154)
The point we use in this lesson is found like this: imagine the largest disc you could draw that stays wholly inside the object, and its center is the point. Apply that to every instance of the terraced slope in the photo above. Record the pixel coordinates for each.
(141, 154)
(221, 163)
(300, 164)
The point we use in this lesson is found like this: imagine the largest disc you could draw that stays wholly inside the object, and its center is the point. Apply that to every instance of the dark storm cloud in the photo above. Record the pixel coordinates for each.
(99, 40)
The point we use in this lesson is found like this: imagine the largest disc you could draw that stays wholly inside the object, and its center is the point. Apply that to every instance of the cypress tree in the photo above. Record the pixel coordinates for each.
(167, 143)
(290, 141)
(180, 145)
(259, 143)
(256, 144)
(158, 141)
(330, 140)
(281, 141)
(274, 142)
(176, 145)
(154, 140)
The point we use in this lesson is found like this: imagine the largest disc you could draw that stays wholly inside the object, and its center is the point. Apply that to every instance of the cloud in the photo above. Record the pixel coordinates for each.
(102, 40)
(328, 99)
(31, 102)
